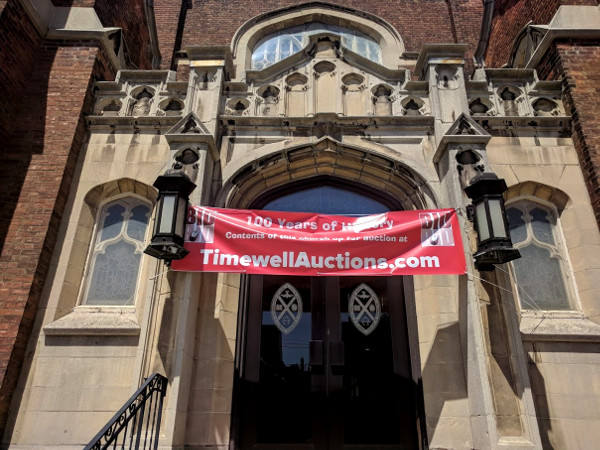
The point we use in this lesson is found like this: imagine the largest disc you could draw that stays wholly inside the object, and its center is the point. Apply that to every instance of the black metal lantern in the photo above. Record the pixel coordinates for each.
(174, 188)
(494, 245)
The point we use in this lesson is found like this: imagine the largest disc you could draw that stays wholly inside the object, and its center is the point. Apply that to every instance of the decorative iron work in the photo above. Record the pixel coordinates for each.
(137, 424)
(286, 308)
(364, 309)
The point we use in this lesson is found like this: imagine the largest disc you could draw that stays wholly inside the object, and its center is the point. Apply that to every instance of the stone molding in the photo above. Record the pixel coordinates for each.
(86, 320)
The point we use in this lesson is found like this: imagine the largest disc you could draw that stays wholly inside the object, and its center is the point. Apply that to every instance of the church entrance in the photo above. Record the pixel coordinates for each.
(325, 364)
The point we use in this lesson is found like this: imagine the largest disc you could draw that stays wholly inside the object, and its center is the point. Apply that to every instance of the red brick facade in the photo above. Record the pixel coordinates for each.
(170, 19)
(131, 16)
(45, 93)
(577, 63)
(46, 90)
(39, 163)
(417, 21)
(510, 16)
(574, 62)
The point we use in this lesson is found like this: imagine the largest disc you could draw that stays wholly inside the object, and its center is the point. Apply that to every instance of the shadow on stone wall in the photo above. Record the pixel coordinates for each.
(444, 379)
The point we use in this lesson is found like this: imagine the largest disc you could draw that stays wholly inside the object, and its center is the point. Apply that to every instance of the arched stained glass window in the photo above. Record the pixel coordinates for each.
(117, 251)
(541, 274)
(279, 46)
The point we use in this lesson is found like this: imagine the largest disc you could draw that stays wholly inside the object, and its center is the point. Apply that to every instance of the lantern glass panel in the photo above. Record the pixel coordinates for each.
(167, 213)
(482, 223)
(498, 228)
(181, 216)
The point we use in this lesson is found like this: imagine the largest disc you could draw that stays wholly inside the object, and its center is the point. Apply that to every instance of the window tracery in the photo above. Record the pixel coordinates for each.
(116, 253)
(285, 43)
(541, 274)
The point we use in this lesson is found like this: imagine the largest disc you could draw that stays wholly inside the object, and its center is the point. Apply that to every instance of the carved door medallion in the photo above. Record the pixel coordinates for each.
(286, 308)
(325, 364)
(364, 309)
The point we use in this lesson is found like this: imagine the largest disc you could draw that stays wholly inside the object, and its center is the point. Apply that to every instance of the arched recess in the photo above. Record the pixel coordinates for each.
(394, 414)
(84, 232)
(252, 31)
(331, 162)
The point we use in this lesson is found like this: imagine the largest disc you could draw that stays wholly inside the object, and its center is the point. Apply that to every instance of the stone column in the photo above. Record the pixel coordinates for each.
(181, 321)
(442, 67)
(500, 416)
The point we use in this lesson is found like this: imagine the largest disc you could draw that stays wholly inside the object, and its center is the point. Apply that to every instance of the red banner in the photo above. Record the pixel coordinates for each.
(284, 243)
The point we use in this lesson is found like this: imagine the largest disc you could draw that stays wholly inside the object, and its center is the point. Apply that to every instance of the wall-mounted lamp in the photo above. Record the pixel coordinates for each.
(174, 188)
(487, 212)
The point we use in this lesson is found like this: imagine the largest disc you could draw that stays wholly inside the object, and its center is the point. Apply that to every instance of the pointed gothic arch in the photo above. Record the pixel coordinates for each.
(327, 160)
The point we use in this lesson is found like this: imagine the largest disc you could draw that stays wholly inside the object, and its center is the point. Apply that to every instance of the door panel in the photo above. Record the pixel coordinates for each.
(326, 365)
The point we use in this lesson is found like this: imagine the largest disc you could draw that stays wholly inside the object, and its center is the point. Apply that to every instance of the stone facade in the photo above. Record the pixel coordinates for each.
(103, 114)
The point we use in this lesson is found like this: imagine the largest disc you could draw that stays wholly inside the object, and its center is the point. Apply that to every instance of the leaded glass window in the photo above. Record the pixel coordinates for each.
(541, 274)
(117, 251)
(279, 46)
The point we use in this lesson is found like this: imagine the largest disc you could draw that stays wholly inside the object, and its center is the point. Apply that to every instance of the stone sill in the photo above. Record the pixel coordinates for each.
(558, 327)
(94, 321)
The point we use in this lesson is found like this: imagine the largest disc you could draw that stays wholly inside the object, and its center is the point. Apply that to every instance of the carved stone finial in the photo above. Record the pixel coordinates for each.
(142, 105)
(469, 166)
(510, 105)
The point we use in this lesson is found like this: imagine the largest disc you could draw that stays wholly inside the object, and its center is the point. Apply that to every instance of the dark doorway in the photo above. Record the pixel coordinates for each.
(325, 363)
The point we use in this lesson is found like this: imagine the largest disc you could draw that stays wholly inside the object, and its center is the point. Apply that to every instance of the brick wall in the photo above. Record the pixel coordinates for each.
(45, 88)
(510, 16)
(466, 17)
(170, 19)
(417, 21)
(128, 15)
(577, 63)
(131, 17)
(20, 41)
(38, 161)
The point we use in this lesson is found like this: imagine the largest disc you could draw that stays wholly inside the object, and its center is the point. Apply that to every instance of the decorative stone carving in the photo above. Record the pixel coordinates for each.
(267, 100)
(324, 67)
(191, 127)
(326, 48)
(478, 107)
(296, 85)
(142, 104)
(545, 107)
(469, 166)
(172, 107)
(326, 92)
(109, 107)
(412, 106)
(508, 99)
(463, 128)
(237, 107)
(354, 99)
(382, 100)
(447, 77)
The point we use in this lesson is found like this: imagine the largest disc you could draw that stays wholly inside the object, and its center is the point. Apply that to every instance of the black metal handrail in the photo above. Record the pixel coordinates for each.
(137, 423)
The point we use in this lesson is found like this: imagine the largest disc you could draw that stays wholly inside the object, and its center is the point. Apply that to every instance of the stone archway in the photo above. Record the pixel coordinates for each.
(327, 158)
(320, 388)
